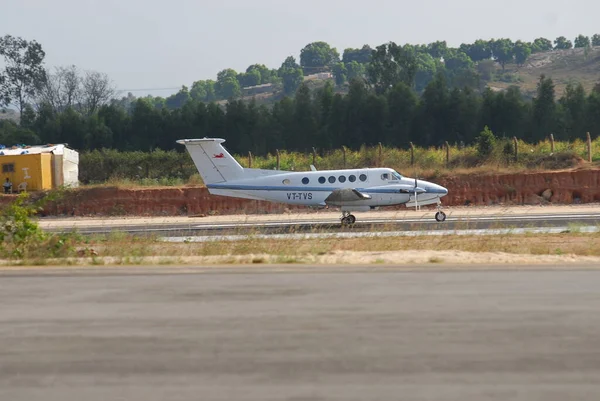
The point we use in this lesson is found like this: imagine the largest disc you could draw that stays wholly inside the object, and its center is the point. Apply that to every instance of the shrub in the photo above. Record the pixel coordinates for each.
(21, 236)
(485, 143)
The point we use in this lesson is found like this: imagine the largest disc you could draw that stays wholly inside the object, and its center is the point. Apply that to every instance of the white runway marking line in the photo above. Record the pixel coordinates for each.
(551, 230)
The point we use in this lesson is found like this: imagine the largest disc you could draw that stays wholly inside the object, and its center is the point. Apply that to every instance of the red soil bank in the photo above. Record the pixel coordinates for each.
(561, 187)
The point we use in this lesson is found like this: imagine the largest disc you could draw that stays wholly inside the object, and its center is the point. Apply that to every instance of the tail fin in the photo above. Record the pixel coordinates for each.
(213, 162)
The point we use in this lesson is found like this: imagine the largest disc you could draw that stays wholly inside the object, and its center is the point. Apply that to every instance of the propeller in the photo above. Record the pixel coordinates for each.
(416, 196)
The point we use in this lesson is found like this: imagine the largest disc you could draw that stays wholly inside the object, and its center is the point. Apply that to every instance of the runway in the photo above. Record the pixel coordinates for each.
(422, 221)
(300, 333)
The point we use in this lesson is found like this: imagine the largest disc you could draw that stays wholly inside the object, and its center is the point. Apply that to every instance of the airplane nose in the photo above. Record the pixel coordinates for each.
(438, 189)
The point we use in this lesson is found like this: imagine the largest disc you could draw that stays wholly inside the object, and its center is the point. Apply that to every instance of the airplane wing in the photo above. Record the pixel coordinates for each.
(345, 195)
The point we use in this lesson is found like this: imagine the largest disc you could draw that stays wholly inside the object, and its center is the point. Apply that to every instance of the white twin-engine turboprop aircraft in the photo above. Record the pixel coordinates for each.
(352, 190)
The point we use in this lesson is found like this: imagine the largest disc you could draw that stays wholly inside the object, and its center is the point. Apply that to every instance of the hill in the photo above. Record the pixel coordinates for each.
(563, 66)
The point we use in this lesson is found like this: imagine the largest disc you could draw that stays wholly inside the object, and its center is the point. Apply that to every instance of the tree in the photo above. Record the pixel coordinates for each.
(97, 90)
(460, 70)
(177, 100)
(391, 64)
(426, 70)
(361, 56)
(4, 92)
(355, 70)
(227, 86)
(503, 51)
(292, 75)
(305, 132)
(402, 105)
(522, 52)
(480, 50)
(61, 89)
(318, 56)
(340, 73)
(582, 41)
(438, 49)
(486, 69)
(574, 104)
(432, 115)
(485, 143)
(541, 45)
(562, 43)
(66, 88)
(596, 40)
(544, 110)
(203, 91)
(353, 129)
(24, 73)
(262, 71)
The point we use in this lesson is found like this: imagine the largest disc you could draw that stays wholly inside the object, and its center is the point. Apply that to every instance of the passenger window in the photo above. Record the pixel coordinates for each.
(342, 178)
(305, 180)
(362, 177)
(322, 180)
(332, 179)
(385, 176)
(286, 182)
(352, 178)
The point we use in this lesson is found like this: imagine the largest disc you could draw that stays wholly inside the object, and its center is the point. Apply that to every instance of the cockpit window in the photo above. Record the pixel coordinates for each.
(396, 176)
(385, 176)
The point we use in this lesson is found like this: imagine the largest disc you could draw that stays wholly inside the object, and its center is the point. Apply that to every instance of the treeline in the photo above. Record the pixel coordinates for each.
(425, 94)
(326, 120)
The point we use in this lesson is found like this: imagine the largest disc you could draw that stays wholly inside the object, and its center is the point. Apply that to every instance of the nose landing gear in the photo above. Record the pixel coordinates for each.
(440, 216)
(348, 219)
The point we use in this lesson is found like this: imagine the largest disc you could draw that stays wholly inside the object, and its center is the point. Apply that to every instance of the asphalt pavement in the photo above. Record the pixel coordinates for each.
(300, 333)
(425, 222)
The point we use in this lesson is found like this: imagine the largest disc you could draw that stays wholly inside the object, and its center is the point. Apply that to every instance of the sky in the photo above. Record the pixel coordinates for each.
(147, 45)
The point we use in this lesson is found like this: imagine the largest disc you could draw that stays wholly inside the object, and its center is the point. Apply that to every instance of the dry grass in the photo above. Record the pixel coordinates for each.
(563, 66)
(123, 249)
(574, 243)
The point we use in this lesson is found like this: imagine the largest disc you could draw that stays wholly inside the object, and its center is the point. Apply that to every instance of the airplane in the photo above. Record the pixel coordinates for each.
(352, 190)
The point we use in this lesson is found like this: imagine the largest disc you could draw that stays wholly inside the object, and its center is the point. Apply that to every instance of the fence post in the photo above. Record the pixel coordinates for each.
(516, 145)
(412, 154)
(447, 154)
(589, 147)
(552, 143)
(249, 159)
(380, 158)
(278, 160)
(344, 155)
(314, 157)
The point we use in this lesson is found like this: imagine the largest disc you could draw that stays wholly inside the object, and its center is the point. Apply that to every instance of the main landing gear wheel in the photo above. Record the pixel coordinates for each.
(440, 216)
(348, 219)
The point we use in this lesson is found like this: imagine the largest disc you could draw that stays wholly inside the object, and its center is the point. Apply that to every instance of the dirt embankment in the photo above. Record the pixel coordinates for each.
(563, 187)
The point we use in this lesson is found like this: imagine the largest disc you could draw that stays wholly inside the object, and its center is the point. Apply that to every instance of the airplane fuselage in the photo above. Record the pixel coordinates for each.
(384, 186)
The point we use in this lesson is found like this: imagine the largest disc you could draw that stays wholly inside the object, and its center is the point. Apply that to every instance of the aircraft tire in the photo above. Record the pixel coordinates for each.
(440, 217)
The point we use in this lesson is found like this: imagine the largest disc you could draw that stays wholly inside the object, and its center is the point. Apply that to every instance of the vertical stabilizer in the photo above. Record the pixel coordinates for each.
(212, 160)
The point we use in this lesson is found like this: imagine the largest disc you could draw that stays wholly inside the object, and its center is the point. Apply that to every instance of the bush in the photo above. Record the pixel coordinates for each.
(21, 237)
(485, 143)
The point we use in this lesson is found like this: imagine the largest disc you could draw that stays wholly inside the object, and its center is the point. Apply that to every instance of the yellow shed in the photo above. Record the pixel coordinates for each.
(29, 172)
